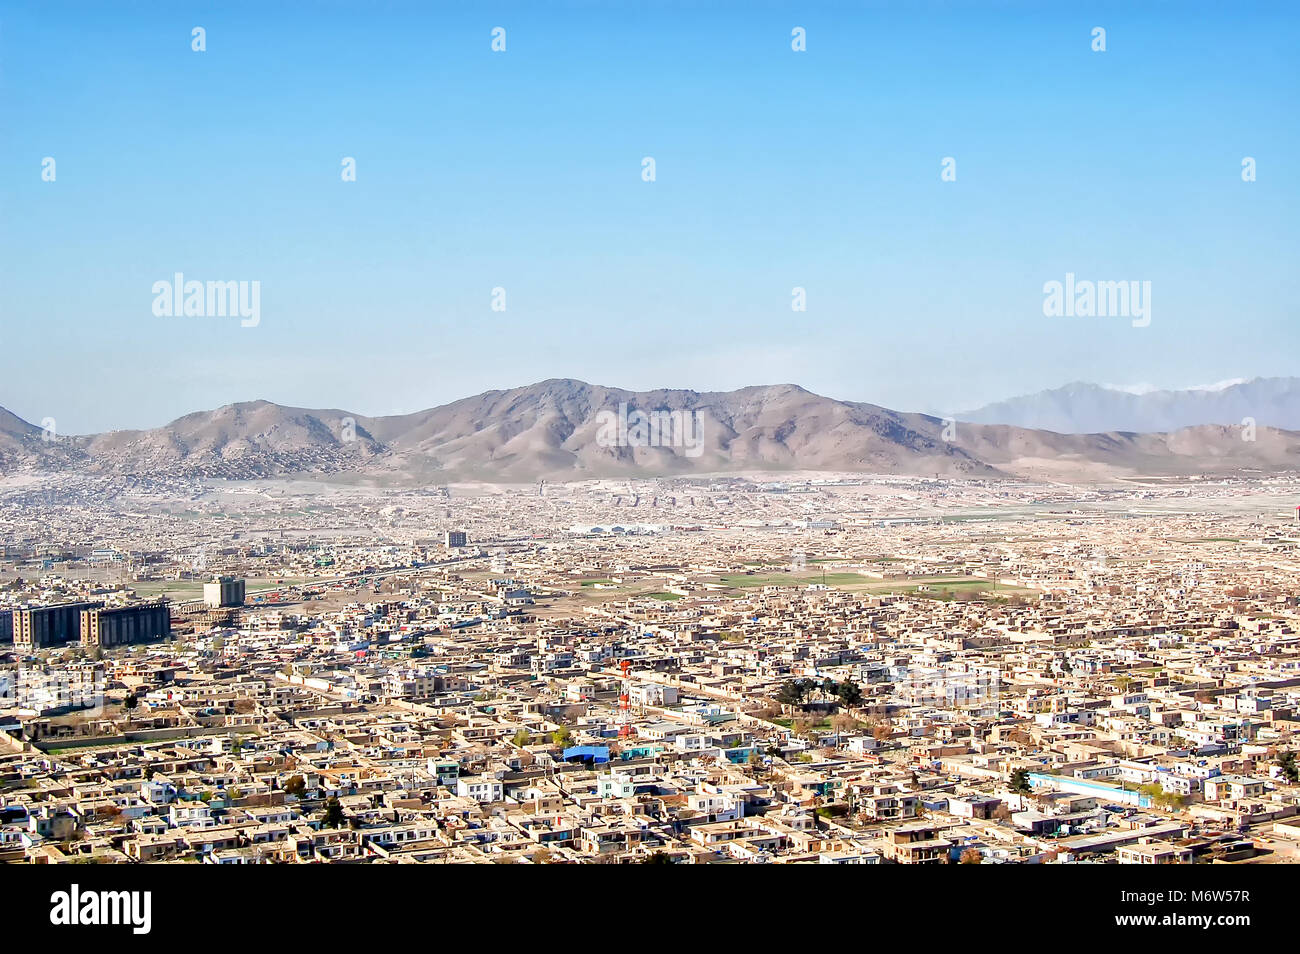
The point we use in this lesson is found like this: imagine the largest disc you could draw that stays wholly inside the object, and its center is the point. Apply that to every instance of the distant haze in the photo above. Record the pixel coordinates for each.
(1081, 408)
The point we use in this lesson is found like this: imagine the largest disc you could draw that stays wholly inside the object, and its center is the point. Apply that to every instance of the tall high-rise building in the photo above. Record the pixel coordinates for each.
(126, 625)
(6, 626)
(223, 591)
(456, 538)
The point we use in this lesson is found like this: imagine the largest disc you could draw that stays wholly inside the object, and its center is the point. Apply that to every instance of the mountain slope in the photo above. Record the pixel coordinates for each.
(24, 446)
(563, 429)
(553, 429)
(1208, 449)
(246, 439)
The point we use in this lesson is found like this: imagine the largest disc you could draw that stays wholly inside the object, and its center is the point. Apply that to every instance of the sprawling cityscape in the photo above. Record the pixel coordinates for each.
(521, 433)
(835, 669)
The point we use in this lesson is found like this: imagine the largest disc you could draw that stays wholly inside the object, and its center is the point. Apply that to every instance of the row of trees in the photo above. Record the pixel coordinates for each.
(801, 693)
(561, 737)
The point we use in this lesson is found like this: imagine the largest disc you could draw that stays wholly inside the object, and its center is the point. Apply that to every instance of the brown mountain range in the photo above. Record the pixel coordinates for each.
(564, 429)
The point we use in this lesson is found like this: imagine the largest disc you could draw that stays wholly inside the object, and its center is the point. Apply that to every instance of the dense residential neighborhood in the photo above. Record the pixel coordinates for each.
(833, 670)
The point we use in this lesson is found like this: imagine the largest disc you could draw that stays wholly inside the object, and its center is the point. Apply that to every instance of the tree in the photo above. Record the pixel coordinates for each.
(844, 723)
(794, 692)
(1020, 781)
(1171, 801)
(657, 858)
(561, 736)
(295, 786)
(804, 728)
(970, 857)
(521, 738)
(848, 692)
(1286, 762)
(333, 813)
(130, 702)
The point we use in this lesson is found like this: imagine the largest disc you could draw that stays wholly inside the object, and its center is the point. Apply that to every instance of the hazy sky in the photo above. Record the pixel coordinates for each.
(523, 170)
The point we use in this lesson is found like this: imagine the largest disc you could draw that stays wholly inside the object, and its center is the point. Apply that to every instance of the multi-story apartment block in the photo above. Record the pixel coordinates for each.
(126, 625)
(44, 627)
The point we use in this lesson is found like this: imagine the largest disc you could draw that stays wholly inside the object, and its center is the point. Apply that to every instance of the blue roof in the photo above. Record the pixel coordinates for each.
(597, 753)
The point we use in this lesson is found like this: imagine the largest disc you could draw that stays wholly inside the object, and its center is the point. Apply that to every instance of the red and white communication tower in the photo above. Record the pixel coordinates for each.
(625, 700)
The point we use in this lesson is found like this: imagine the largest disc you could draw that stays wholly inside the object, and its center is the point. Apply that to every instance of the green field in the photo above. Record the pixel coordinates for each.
(663, 596)
(819, 725)
(746, 581)
(178, 590)
(940, 587)
(181, 590)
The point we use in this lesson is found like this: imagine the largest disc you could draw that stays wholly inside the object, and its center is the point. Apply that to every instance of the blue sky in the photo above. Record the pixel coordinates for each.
(522, 170)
